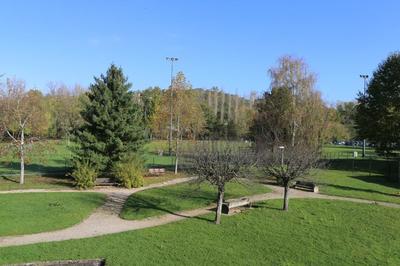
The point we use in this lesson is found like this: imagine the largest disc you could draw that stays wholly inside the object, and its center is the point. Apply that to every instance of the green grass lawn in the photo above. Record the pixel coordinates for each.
(357, 184)
(312, 232)
(53, 157)
(181, 197)
(50, 157)
(40, 182)
(47, 166)
(35, 182)
(26, 213)
(346, 152)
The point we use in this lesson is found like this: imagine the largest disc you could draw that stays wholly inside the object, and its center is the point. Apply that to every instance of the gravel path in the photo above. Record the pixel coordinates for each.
(105, 220)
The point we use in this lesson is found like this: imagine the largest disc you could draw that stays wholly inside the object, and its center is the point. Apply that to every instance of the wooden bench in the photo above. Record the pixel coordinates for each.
(229, 205)
(307, 186)
(105, 181)
(157, 171)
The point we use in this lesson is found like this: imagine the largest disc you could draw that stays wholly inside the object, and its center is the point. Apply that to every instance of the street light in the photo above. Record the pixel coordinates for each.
(282, 148)
(172, 60)
(364, 77)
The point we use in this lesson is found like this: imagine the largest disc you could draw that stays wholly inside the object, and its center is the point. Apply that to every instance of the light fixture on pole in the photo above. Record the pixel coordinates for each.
(282, 148)
(171, 60)
(364, 77)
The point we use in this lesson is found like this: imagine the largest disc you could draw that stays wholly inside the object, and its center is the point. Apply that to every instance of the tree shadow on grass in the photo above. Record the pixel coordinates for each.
(265, 205)
(49, 180)
(379, 180)
(387, 167)
(347, 188)
(14, 167)
(138, 203)
(9, 179)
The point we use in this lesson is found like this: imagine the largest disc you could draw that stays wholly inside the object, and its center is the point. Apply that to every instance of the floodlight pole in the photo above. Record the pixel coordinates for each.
(364, 77)
(172, 60)
(282, 148)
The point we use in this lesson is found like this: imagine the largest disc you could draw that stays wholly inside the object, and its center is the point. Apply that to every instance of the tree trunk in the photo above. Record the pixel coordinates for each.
(286, 197)
(398, 171)
(170, 121)
(21, 154)
(220, 200)
(236, 108)
(215, 103)
(222, 107)
(177, 148)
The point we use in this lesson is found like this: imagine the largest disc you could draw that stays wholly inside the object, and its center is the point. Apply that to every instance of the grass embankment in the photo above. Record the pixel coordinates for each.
(26, 213)
(48, 164)
(345, 152)
(312, 232)
(170, 199)
(357, 184)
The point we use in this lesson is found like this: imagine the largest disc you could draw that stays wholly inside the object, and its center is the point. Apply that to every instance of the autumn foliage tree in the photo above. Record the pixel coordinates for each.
(22, 118)
(187, 115)
(64, 105)
(291, 118)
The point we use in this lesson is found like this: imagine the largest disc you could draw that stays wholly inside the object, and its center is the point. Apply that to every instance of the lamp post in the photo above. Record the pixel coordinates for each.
(171, 60)
(364, 77)
(282, 148)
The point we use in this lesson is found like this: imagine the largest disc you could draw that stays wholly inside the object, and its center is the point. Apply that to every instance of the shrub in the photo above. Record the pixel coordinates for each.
(129, 172)
(84, 175)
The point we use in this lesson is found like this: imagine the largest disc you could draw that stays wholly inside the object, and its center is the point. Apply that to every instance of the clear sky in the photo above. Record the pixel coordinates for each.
(230, 44)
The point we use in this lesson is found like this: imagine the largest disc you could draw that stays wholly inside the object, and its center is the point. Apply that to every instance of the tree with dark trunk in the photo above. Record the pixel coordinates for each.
(377, 116)
(219, 163)
(287, 164)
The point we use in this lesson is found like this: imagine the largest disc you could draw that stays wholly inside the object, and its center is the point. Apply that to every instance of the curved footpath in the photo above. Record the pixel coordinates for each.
(105, 220)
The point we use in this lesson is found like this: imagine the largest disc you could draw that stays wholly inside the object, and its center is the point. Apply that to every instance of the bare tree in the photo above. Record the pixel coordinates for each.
(229, 106)
(219, 163)
(21, 112)
(236, 108)
(215, 90)
(222, 106)
(287, 164)
(209, 98)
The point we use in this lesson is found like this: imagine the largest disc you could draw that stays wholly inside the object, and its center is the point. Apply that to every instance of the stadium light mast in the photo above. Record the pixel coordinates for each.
(171, 60)
(365, 78)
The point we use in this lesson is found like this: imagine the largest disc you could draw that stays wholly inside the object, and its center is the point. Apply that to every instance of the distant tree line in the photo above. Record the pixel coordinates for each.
(178, 112)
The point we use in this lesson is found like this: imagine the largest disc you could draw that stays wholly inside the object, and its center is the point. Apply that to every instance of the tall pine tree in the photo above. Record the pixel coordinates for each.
(113, 125)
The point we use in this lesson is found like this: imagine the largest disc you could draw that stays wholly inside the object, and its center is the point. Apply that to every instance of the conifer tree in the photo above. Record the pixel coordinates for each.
(378, 112)
(113, 125)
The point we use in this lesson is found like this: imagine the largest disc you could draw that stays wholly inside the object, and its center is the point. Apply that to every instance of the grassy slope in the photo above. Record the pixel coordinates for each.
(343, 151)
(313, 232)
(53, 156)
(181, 197)
(54, 162)
(33, 182)
(357, 185)
(39, 212)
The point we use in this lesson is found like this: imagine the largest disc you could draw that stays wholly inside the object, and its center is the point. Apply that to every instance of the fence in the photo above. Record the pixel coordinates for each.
(371, 164)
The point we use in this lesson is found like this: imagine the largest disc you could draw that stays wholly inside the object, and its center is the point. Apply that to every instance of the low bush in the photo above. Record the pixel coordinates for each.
(129, 172)
(84, 175)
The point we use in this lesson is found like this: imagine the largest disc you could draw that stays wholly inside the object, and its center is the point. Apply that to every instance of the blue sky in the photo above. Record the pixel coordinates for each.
(230, 44)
